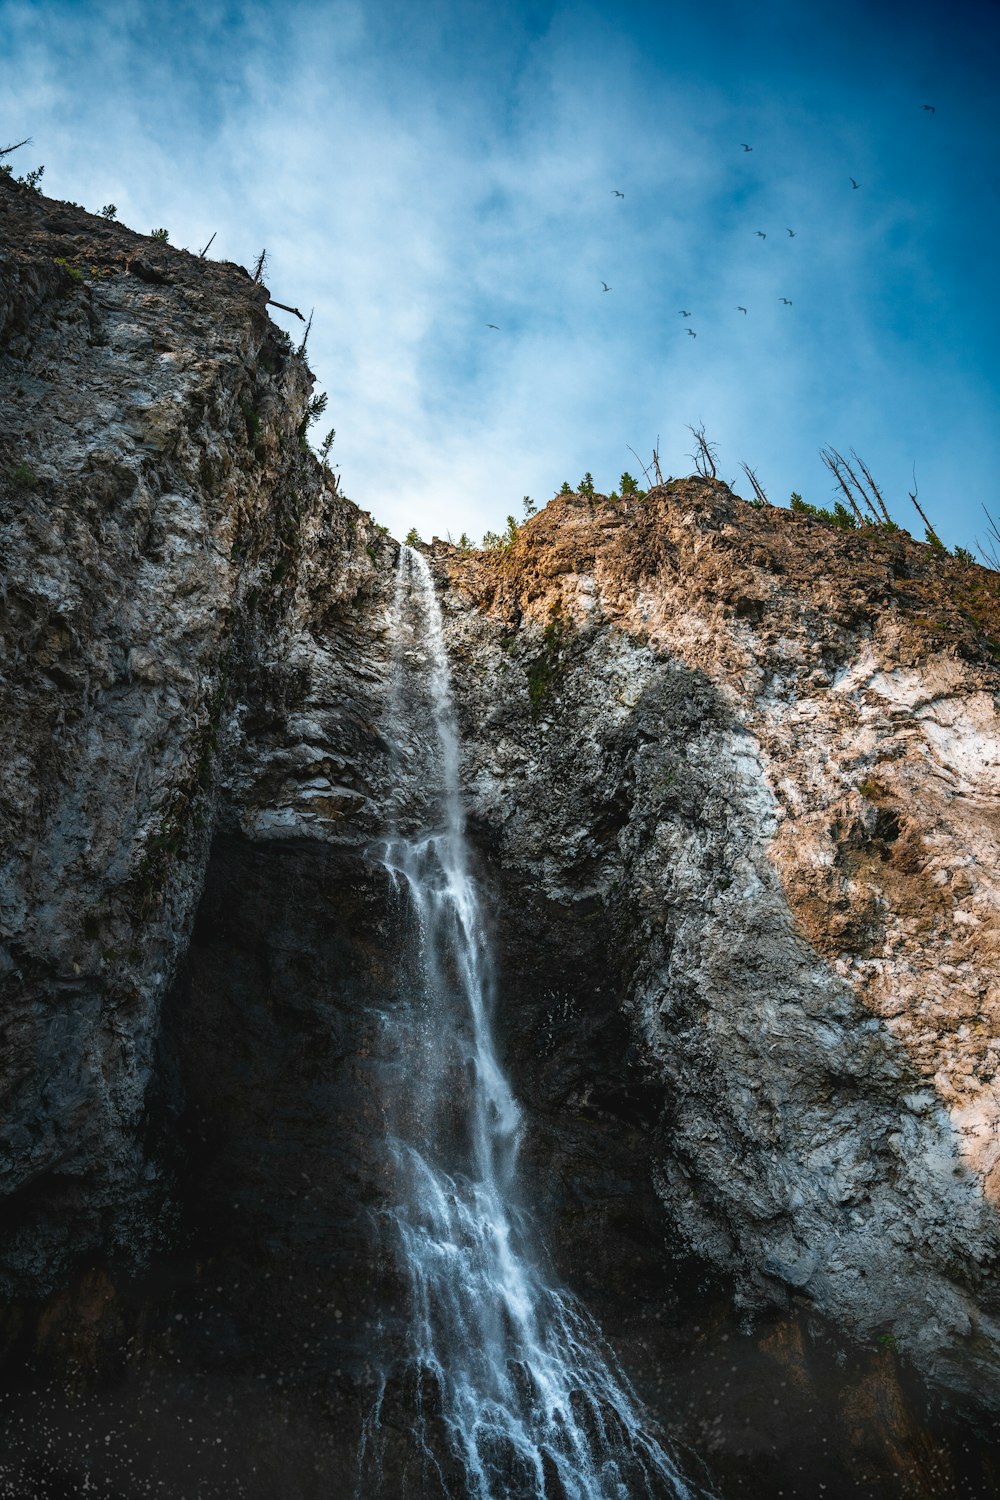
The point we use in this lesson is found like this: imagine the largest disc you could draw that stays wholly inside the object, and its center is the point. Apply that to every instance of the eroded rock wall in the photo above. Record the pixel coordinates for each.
(764, 755)
(180, 581)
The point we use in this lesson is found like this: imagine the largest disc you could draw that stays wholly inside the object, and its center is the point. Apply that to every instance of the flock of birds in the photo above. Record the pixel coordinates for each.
(760, 233)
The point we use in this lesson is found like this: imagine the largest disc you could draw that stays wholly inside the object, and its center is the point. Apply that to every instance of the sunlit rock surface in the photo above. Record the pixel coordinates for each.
(766, 754)
(731, 779)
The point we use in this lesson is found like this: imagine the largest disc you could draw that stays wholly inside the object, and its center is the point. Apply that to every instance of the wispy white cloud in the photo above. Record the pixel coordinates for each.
(419, 172)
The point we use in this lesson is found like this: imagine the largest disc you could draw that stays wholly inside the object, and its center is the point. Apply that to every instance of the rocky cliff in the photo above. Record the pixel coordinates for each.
(766, 755)
(732, 780)
(177, 571)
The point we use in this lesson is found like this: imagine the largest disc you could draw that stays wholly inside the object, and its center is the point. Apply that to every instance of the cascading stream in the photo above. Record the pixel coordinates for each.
(516, 1392)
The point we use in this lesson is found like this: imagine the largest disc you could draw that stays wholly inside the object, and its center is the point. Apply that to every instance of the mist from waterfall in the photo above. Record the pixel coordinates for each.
(514, 1392)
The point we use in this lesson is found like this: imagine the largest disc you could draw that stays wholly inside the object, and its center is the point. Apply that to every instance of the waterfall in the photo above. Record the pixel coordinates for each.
(514, 1392)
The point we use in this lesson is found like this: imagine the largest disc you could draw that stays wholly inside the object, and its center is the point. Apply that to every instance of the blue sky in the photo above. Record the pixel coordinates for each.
(419, 170)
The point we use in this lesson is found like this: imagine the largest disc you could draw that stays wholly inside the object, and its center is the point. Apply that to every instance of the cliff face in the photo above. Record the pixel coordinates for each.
(732, 780)
(765, 756)
(178, 573)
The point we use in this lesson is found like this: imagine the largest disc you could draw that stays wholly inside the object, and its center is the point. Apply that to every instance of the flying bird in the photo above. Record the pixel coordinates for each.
(604, 284)
(692, 333)
(930, 107)
(683, 314)
(853, 183)
(493, 325)
(616, 194)
(785, 301)
(745, 146)
(791, 234)
(761, 235)
(741, 309)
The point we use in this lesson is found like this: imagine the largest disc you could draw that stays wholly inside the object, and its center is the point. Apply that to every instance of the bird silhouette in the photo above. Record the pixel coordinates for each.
(741, 309)
(930, 107)
(493, 325)
(785, 301)
(745, 146)
(616, 194)
(791, 234)
(604, 284)
(692, 333)
(853, 183)
(761, 235)
(683, 314)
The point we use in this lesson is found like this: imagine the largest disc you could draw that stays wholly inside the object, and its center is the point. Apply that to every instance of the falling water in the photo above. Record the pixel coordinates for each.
(515, 1391)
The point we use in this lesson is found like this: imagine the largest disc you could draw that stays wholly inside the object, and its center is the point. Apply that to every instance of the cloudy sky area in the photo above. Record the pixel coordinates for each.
(418, 170)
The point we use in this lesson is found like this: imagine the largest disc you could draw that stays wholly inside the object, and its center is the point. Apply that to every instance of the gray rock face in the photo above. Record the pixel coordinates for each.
(736, 741)
(177, 571)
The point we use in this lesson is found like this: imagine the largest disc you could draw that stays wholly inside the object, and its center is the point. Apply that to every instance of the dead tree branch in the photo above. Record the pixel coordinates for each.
(833, 460)
(705, 452)
(863, 494)
(642, 466)
(932, 535)
(208, 246)
(305, 336)
(873, 486)
(6, 150)
(990, 554)
(260, 266)
(285, 308)
(758, 488)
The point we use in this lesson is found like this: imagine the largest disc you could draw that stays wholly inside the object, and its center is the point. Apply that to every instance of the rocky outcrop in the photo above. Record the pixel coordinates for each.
(764, 755)
(178, 572)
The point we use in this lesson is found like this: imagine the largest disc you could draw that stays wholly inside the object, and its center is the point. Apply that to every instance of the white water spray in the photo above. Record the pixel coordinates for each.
(517, 1395)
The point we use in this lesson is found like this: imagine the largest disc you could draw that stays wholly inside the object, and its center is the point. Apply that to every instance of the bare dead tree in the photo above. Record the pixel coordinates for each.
(932, 535)
(305, 336)
(990, 553)
(705, 452)
(872, 485)
(656, 460)
(642, 466)
(859, 488)
(6, 150)
(833, 461)
(285, 308)
(261, 266)
(208, 246)
(758, 488)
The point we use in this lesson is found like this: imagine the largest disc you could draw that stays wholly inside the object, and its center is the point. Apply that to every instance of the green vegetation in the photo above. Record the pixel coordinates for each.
(313, 412)
(160, 234)
(412, 538)
(564, 488)
(530, 508)
(24, 476)
(964, 555)
(545, 671)
(74, 271)
(109, 211)
(839, 516)
(30, 180)
(586, 485)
